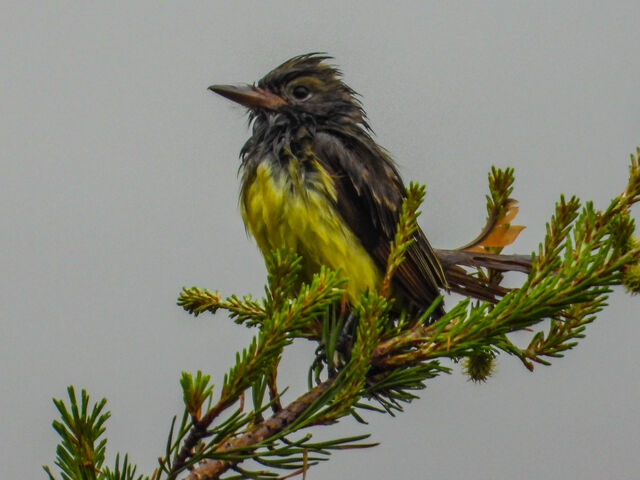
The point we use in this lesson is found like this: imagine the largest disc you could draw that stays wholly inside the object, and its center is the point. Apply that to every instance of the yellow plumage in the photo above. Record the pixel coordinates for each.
(295, 209)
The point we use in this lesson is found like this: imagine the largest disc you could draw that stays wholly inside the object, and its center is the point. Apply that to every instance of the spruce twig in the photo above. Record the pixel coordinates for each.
(584, 254)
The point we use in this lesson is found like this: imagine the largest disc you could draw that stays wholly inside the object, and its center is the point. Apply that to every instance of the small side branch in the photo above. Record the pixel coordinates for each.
(212, 469)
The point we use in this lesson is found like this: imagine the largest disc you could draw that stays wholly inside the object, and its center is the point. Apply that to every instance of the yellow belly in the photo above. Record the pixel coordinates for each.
(280, 212)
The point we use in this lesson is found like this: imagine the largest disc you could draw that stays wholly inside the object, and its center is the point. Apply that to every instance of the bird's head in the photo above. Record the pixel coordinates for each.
(305, 86)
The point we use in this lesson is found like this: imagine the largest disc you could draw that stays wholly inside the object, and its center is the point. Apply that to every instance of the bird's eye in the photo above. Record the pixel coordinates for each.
(300, 92)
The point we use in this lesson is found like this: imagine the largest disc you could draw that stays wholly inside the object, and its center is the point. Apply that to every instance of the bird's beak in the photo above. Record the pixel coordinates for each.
(249, 96)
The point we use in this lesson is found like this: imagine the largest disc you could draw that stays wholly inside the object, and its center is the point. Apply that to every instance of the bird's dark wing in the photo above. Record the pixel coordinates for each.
(369, 198)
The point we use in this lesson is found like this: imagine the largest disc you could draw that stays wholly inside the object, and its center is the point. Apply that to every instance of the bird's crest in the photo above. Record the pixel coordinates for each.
(312, 64)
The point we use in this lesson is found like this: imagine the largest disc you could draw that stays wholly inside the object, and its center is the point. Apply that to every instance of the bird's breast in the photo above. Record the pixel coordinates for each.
(294, 206)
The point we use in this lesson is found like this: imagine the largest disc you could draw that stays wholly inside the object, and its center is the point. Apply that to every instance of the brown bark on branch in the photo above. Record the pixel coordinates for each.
(212, 469)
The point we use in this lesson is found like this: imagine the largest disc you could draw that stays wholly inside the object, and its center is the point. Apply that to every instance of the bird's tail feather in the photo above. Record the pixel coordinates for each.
(462, 282)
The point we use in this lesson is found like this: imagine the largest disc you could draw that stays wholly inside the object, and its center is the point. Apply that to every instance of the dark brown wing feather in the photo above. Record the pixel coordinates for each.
(370, 193)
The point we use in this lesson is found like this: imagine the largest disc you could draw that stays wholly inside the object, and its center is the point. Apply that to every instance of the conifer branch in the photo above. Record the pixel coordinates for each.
(375, 358)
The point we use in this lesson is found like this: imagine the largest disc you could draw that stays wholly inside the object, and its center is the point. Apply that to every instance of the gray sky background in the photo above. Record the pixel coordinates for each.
(118, 186)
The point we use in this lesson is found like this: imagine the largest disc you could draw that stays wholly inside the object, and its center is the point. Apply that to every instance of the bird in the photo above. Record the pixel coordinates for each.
(314, 180)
